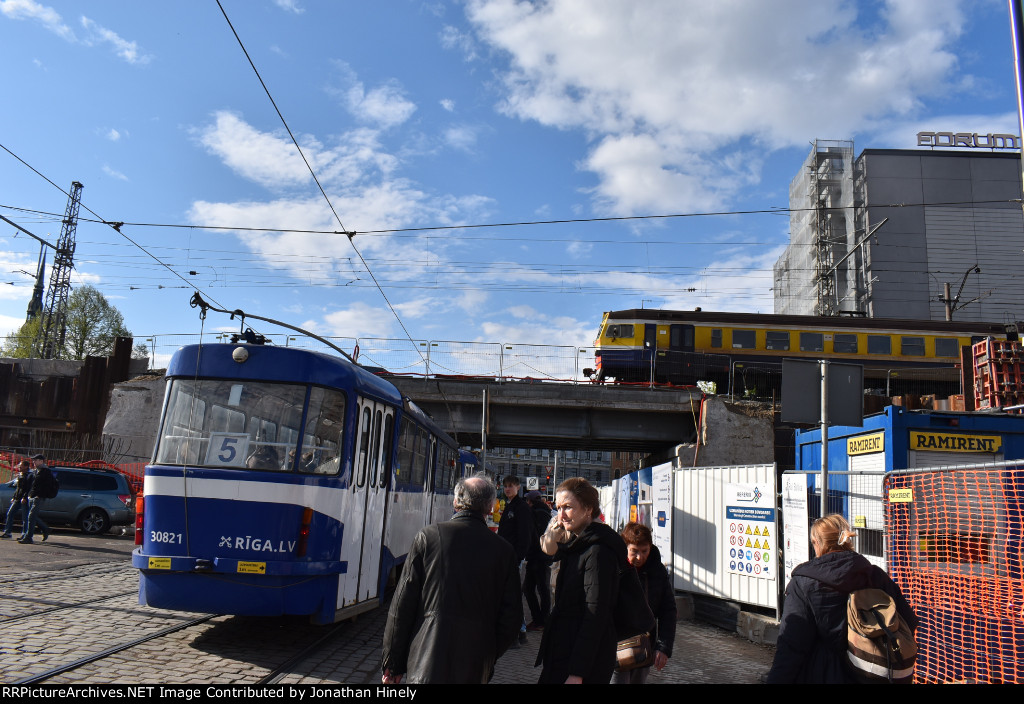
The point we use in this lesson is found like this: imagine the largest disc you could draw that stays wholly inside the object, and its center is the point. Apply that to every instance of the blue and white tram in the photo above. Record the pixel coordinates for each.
(284, 482)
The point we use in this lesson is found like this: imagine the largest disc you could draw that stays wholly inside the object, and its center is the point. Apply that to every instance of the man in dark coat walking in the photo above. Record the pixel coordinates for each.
(457, 607)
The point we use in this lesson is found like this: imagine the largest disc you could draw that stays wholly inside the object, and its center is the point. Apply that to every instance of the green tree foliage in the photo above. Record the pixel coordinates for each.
(92, 326)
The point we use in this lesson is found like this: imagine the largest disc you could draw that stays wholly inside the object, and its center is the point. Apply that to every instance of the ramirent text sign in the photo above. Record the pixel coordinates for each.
(865, 444)
(951, 442)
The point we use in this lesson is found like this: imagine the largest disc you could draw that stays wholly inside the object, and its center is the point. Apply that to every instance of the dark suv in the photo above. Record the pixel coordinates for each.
(92, 499)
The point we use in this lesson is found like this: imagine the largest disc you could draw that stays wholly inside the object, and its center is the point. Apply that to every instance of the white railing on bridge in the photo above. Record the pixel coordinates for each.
(419, 358)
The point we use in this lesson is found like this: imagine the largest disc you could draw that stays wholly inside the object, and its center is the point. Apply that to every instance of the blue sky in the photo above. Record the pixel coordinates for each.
(438, 114)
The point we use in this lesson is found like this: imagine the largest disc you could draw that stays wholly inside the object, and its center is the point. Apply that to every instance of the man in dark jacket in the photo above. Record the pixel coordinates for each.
(42, 483)
(19, 502)
(516, 526)
(537, 582)
(457, 607)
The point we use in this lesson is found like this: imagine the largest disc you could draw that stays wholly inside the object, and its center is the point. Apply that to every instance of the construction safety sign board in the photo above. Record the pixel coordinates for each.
(750, 530)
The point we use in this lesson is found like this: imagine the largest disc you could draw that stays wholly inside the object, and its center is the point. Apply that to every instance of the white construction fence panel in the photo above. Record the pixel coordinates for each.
(726, 531)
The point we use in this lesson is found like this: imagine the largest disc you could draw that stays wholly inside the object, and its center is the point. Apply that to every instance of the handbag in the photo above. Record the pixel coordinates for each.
(634, 653)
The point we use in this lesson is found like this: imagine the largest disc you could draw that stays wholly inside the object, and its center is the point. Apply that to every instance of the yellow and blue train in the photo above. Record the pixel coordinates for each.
(682, 347)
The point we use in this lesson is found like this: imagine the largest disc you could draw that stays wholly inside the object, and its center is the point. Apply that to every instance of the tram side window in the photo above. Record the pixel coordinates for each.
(406, 442)
(912, 346)
(617, 331)
(325, 426)
(812, 342)
(879, 344)
(947, 347)
(744, 339)
(844, 344)
(419, 459)
(716, 337)
(776, 340)
(389, 443)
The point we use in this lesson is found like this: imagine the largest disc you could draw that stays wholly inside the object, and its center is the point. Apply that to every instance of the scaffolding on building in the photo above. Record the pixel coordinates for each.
(830, 190)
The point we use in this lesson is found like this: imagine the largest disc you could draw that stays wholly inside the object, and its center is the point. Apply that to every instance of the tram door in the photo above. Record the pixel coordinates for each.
(364, 528)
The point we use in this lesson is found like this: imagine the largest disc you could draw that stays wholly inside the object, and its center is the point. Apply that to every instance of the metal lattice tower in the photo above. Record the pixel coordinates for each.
(55, 312)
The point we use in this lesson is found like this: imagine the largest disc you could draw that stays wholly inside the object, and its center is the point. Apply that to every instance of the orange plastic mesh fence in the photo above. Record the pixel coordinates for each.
(955, 549)
(134, 472)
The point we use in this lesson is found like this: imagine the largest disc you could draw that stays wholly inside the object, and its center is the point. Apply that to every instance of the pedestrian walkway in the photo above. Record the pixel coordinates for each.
(703, 654)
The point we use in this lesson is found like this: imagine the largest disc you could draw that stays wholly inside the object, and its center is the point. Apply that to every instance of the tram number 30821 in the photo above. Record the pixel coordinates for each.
(160, 536)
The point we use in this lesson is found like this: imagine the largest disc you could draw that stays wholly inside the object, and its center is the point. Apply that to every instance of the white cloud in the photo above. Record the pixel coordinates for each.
(448, 104)
(461, 137)
(94, 34)
(358, 320)
(385, 106)
(267, 159)
(113, 135)
(114, 174)
(129, 51)
(902, 134)
(29, 10)
(452, 38)
(579, 250)
(712, 79)
(290, 6)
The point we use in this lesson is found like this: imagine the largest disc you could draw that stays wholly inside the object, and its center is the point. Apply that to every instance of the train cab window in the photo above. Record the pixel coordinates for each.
(812, 342)
(716, 337)
(616, 331)
(879, 344)
(844, 343)
(912, 346)
(776, 340)
(744, 339)
(947, 347)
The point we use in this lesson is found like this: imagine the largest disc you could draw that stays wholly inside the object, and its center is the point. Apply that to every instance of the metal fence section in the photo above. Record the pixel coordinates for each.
(940, 382)
(709, 540)
(755, 381)
(557, 362)
(857, 496)
(453, 358)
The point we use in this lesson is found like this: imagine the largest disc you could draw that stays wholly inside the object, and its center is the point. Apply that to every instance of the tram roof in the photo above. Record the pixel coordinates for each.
(278, 364)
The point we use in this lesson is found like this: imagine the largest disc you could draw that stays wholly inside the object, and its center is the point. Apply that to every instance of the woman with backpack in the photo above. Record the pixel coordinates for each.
(579, 639)
(812, 647)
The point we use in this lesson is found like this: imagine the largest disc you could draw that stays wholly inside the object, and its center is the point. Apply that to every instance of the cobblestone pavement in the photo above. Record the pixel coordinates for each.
(76, 595)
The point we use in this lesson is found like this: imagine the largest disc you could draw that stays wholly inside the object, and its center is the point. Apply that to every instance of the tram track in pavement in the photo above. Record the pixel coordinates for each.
(5, 621)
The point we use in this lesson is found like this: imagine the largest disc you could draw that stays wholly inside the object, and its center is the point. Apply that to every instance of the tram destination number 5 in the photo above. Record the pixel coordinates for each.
(227, 449)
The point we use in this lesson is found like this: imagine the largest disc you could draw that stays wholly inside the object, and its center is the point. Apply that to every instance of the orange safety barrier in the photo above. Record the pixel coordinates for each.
(956, 549)
(134, 472)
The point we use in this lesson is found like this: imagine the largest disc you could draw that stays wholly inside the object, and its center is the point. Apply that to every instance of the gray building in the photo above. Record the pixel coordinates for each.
(881, 234)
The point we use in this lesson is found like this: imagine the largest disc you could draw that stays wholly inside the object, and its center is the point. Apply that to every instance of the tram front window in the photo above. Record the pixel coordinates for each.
(250, 425)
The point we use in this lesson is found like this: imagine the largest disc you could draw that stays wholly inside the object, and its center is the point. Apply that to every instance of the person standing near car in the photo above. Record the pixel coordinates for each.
(44, 487)
(19, 502)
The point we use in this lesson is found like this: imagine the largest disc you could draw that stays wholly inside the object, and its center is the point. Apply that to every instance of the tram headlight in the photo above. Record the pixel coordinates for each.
(239, 354)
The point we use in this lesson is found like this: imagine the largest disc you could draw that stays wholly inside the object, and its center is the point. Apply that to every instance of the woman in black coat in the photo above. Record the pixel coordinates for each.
(579, 639)
(644, 555)
(812, 643)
